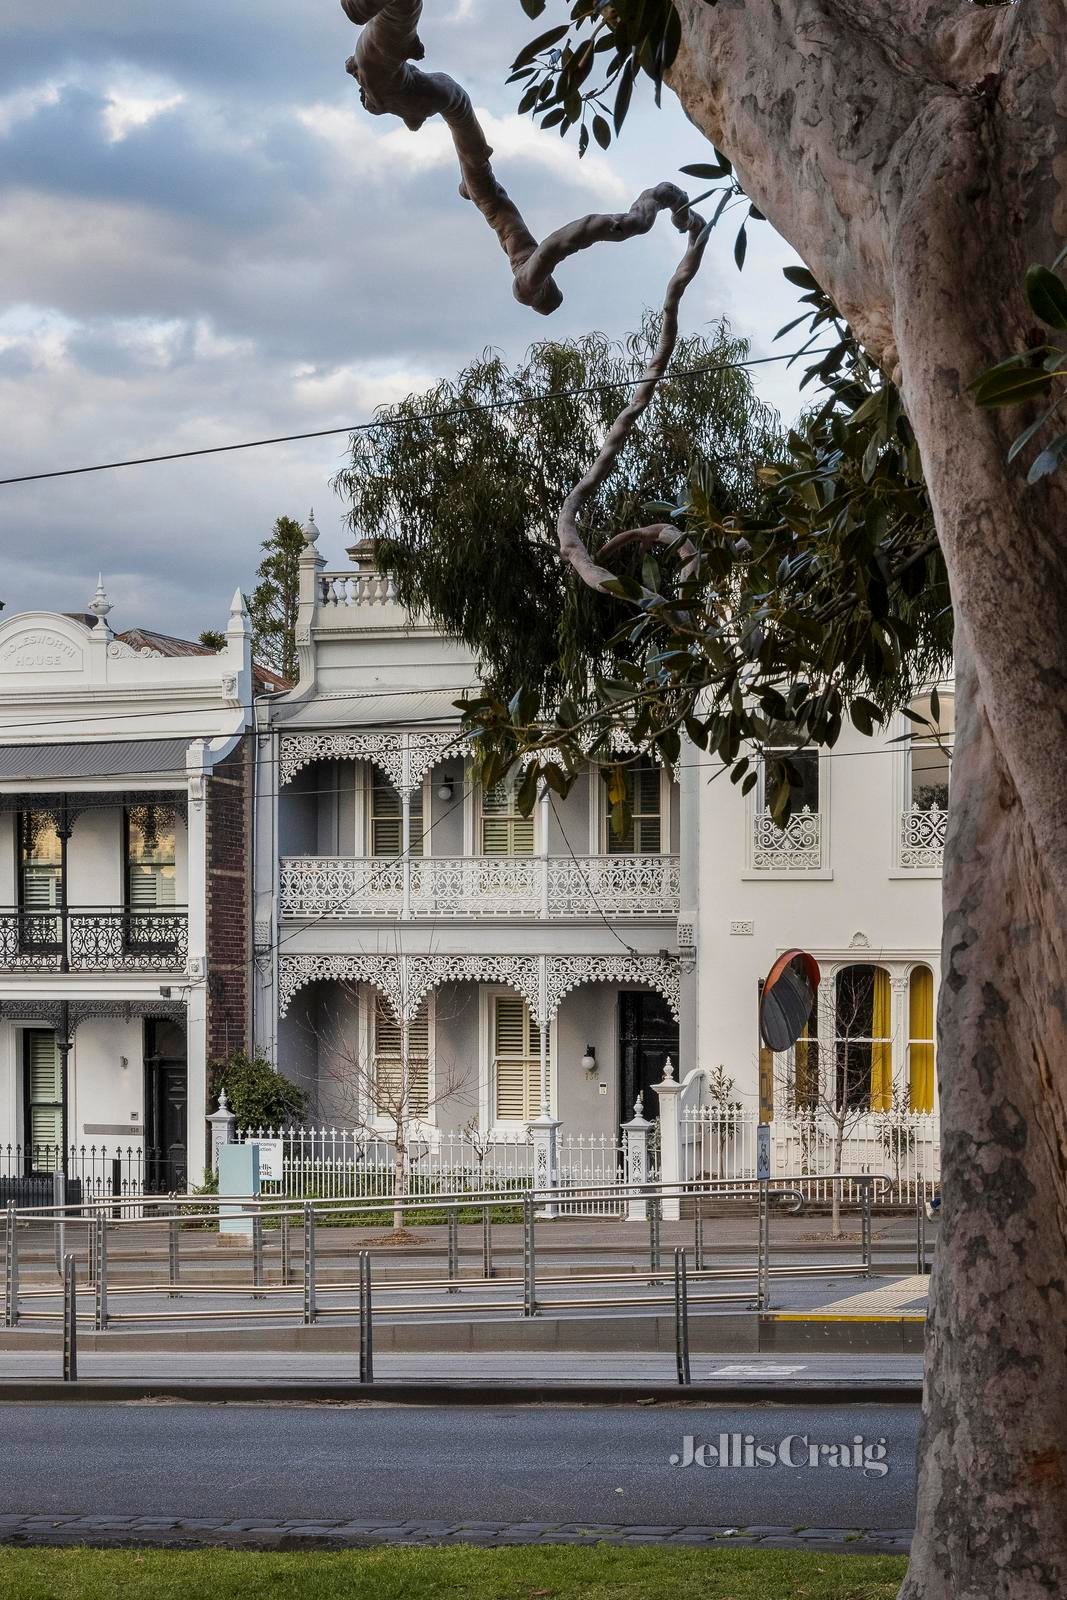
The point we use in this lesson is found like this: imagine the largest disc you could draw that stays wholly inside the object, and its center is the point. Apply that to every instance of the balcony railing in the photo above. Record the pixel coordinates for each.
(91, 940)
(479, 886)
(795, 846)
(922, 838)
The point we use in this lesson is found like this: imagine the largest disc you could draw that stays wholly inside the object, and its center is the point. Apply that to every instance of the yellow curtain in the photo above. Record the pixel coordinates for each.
(882, 1048)
(920, 1040)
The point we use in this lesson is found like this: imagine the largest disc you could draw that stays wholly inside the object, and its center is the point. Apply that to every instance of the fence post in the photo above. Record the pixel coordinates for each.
(920, 1232)
(70, 1321)
(11, 1271)
(487, 1243)
(174, 1258)
(653, 1209)
(681, 1316)
(698, 1233)
(670, 1139)
(59, 1198)
(223, 1125)
(544, 1137)
(257, 1255)
(635, 1136)
(529, 1262)
(283, 1231)
(101, 1269)
(866, 1226)
(763, 1265)
(309, 1265)
(366, 1320)
(453, 1249)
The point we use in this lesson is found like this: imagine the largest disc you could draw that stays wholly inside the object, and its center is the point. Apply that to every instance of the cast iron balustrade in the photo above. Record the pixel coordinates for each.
(479, 886)
(112, 939)
(922, 838)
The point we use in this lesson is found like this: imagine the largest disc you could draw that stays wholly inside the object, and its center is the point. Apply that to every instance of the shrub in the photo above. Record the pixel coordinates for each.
(259, 1097)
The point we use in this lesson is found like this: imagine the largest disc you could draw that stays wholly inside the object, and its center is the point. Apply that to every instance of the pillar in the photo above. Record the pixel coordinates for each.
(635, 1138)
(671, 1134)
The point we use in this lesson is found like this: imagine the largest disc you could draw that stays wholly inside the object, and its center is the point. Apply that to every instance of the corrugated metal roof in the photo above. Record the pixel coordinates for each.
(119, 758)
(366, 708)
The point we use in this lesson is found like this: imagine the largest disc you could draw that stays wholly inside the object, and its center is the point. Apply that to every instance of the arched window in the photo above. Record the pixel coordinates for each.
(921, 1039)
(863, 1042)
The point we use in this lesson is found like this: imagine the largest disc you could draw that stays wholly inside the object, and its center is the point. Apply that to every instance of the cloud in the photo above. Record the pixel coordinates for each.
(204, 238)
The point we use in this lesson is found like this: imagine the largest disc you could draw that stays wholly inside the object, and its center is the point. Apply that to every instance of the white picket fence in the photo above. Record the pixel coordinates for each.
(903, 1146)
(357, 1164)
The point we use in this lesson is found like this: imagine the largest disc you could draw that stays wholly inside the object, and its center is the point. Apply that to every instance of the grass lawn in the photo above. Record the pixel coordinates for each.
(514, 1573)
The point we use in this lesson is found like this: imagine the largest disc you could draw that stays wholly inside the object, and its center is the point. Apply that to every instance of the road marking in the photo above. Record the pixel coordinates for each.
(755, 1370)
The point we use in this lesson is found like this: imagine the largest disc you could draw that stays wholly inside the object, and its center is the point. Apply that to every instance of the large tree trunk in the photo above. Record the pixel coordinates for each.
(918, 171)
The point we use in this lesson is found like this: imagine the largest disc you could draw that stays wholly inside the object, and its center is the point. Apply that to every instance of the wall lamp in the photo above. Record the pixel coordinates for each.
(589, 1059)
(445, 789)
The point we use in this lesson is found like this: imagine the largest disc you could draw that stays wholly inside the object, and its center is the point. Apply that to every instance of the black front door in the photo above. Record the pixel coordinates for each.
(648, 1034)
(166, 1096)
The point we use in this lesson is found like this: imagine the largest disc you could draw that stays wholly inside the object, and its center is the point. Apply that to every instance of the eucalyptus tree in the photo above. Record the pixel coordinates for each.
(914, 155)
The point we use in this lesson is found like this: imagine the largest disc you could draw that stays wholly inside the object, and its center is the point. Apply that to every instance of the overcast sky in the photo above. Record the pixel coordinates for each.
(203, 239)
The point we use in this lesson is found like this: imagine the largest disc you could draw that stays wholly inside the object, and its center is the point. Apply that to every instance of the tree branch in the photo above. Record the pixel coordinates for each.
(390, 85)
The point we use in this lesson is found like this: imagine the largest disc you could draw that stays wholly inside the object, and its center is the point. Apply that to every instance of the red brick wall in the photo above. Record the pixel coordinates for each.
(229, 931)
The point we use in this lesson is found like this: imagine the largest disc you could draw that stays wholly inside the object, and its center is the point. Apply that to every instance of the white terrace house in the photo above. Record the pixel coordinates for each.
(121, 756)
(854, 878)
(526, 970)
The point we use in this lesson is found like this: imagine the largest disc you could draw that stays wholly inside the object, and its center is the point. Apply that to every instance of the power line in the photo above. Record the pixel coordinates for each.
(394, 422)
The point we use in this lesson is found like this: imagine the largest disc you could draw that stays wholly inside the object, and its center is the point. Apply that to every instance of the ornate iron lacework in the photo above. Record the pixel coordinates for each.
(405, 758)
(922, 838)
(794, 847)
(405, 981)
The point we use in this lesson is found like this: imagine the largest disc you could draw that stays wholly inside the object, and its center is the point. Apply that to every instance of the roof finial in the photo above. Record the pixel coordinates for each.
(311, 532)
(100, 605)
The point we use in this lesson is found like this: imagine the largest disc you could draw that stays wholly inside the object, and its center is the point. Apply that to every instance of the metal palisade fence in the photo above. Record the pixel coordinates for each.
(807, 1147)
(357, 1163)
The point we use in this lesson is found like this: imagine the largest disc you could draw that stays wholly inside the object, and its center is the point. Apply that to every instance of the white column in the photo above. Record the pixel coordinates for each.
(545, 813)
(544, 1130)
(635, 1136)
(899, 1047)
(405, 848)
(222, 1124)
(196, 970)
(670, 1137)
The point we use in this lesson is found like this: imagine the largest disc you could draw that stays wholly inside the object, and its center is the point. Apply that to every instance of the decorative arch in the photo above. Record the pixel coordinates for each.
(381, 972)
(514, 972)
(571, 972)
(404, 758)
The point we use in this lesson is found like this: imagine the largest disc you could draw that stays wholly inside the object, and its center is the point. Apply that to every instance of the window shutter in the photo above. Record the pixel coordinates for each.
(387, 821)
(45, 1096)
(389, 1061)
(505, 832)
(517, 1060)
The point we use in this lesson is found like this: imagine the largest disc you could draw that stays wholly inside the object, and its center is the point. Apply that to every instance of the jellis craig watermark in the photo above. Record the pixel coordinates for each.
(794, 1450)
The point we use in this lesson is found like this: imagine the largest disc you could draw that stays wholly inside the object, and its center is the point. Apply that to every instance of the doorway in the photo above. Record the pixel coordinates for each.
(166, 1096)
(648, 1035)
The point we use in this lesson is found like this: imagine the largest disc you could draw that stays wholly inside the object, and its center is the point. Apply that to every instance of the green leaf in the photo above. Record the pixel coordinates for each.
(1009, 386)
(740, 246)
(708, 171)
(1049, 459)
(1047, 295)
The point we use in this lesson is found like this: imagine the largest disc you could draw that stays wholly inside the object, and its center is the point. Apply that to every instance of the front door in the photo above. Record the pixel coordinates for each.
(166, 1097)
(648, 1035)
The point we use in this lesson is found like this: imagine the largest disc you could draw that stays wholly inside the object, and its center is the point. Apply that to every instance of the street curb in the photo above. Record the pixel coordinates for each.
(435, 1393)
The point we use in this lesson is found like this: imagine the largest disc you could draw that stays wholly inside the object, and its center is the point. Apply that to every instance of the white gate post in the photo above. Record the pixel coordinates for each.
(223, 1124)
(635, 1134)
(670, 1137)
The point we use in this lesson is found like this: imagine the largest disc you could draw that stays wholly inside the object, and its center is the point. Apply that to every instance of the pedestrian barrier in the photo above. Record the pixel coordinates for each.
(175, 1295)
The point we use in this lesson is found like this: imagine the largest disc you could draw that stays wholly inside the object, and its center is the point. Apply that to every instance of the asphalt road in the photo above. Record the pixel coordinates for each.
(552, 1464)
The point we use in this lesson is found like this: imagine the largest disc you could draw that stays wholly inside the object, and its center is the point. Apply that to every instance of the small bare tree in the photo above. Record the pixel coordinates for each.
(387, 1091)
(828, 1083)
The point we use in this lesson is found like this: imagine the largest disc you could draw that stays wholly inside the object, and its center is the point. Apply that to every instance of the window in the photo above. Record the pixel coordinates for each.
(931, 752)
(392, 1102)
(150, 858)
(921, 1039)
(863, 1045)
(643, 792)
(504, 830)
(40, 878)
(782, 744)
(43, 1101)
(516, 1060)
(387, 818)
(806, 1071)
